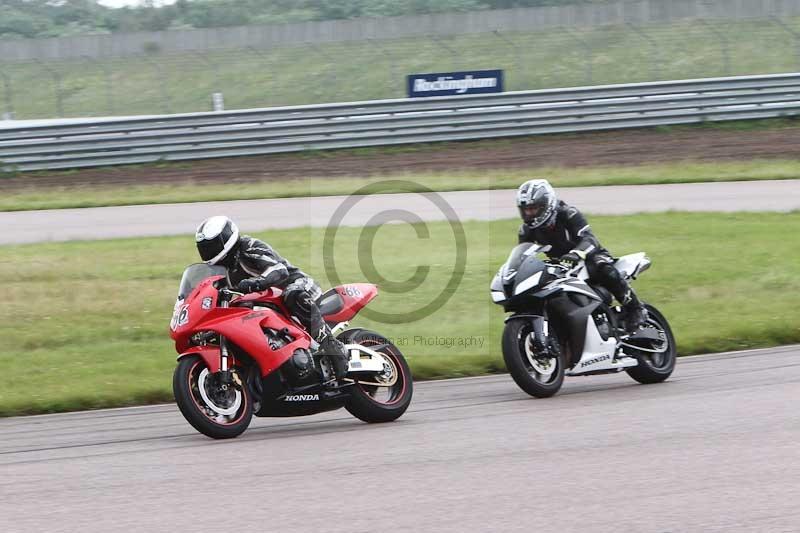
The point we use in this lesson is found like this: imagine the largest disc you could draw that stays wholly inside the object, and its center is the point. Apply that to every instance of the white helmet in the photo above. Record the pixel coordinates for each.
(537, 202)
(215, 238)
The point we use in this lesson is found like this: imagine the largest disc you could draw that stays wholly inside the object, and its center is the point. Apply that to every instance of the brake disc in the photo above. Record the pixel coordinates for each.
(542, 365)
(225, 411)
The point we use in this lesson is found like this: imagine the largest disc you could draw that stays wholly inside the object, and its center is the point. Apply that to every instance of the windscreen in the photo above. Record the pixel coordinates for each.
(518, 255)
(196, 273)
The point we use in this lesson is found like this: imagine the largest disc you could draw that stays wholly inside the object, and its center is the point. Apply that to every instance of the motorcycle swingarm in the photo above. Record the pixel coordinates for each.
(357, 364)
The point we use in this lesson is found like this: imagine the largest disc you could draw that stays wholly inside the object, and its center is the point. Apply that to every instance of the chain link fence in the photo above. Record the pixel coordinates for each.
(311, 73)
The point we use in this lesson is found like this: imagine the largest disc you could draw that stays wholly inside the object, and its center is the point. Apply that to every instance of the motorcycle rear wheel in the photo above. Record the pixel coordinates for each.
(376, 404)
(215, 413)
(527, 374)
(654, 368)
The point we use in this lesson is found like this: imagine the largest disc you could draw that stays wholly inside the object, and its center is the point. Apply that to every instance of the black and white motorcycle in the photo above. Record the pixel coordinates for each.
(560, 325)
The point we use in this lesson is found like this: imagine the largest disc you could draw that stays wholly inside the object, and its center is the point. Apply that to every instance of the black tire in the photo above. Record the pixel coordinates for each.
(199, 413)
(654, 368)
(520, 367)
(364, 402)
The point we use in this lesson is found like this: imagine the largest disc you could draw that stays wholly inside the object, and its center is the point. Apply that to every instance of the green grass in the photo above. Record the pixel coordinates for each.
(55, 197)
(84, 324)
(373, 70)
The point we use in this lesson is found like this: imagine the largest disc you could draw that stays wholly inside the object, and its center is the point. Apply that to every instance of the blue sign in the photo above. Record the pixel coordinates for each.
(451, 83)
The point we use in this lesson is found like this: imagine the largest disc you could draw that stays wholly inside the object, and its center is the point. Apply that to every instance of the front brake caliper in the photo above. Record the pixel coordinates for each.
(237, 381)
(227, 379)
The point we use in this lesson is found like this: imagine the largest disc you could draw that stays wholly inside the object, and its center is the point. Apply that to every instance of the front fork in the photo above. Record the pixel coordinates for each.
(539, 334)
(227, 378)
(540, 331)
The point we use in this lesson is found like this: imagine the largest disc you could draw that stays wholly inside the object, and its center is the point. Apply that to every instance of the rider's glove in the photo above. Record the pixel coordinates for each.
(251, 285)
(569, 260)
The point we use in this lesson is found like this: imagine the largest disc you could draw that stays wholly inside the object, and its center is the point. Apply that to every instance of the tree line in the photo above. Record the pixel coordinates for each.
(55, 18)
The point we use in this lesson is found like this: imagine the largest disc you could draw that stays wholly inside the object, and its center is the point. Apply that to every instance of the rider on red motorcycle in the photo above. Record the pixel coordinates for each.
(254, 266)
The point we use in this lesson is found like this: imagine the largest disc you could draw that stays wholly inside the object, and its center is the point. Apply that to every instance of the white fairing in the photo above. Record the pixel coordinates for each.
(526, 284)
(498, 296)
(505, 274)
(497, 288)
(596, 351)
(582, 273)
(497, 283)
(599, 354)
(632, 265)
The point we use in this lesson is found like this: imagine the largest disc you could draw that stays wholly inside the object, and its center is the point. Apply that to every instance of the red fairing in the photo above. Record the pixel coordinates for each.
(239, 325)
(354, 297)
(210, 355)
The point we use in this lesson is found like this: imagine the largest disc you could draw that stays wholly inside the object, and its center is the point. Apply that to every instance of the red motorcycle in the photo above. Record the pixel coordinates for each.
(243, 355)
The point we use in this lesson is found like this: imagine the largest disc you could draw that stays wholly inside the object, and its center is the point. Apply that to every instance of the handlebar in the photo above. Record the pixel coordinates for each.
(567, 271)
(230, 292)
(227, 295)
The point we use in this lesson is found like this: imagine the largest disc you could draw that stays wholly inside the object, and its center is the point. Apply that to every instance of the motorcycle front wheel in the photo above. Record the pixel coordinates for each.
(214, 411)
(539, 376)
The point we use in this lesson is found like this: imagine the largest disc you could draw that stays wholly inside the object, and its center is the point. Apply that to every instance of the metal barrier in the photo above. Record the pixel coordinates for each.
(388, 122)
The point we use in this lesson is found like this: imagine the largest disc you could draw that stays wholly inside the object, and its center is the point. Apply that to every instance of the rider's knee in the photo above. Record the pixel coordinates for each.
(299, 300)
(607, 271)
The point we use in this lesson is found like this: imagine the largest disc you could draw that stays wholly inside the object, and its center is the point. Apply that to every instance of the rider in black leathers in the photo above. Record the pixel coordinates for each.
(253, 265)
(547, 220)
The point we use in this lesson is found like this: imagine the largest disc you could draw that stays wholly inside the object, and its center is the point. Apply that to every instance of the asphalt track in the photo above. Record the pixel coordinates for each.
(715, 448)
(252, 215)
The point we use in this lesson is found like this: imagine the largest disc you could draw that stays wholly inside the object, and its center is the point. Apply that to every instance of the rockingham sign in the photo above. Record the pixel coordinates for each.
(452, 83)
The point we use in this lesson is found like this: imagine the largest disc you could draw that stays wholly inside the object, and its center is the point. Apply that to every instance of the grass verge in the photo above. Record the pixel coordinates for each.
(55, 197)
(85, 323)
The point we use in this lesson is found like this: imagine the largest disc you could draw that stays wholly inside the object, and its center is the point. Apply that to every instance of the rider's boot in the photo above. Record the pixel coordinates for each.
(634, 312)
(335, 350)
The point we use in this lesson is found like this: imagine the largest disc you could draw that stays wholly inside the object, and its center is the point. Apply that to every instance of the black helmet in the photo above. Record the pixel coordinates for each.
(215, 238)
(537, 202)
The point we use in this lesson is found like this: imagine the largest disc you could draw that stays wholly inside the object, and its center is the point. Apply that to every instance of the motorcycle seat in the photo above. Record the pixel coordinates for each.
(330, 302)
(632, 265)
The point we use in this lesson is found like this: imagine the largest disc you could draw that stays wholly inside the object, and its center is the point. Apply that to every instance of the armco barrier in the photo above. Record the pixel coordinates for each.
(386, 122)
